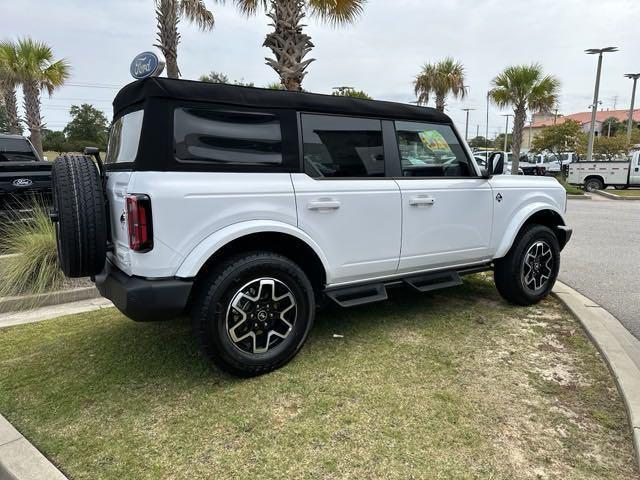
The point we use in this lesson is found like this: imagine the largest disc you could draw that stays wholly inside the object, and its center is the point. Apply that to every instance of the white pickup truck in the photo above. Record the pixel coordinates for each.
(246, 207)
(599, 175)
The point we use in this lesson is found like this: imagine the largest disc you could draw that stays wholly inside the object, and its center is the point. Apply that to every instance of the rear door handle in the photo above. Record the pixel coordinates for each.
(324, 205)
(419, 201)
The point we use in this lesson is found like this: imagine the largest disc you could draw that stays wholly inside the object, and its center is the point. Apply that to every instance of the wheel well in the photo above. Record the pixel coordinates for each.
(287, 245)
(597, 177)
(550, 219)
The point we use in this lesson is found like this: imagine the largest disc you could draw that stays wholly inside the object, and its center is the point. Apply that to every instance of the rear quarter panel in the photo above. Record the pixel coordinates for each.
(522, 196)
(190, 207)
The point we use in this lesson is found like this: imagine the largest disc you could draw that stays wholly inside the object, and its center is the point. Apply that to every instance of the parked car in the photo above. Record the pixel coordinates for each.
(248, 207)
(600, 175)
(24, 177)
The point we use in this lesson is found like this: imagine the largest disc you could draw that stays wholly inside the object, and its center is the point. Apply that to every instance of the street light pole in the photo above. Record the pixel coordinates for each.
(634, 77)
(466, 127)
(594, 106)
(506, 130)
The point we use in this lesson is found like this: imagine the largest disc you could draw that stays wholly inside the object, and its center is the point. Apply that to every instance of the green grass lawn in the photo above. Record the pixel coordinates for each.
(454, 384)
(571, 189)
(626, 193)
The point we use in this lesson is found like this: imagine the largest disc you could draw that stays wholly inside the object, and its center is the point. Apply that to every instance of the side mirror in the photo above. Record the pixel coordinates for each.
(496, 163)
(486, 172)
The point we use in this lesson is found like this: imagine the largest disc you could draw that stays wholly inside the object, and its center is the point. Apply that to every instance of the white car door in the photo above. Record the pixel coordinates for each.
(634, 173)
(447, 209)
(344, 201)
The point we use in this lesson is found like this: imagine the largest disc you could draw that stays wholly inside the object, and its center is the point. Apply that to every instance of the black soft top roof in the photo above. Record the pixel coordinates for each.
(159, 87)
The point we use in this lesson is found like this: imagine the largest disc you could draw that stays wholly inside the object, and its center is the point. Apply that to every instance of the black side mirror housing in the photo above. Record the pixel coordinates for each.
(496, 163)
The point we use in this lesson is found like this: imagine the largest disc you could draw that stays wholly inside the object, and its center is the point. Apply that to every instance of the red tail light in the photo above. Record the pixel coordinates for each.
(139, 220)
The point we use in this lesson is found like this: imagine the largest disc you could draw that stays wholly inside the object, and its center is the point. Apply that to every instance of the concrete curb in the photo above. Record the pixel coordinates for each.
(619, 348)
(10, 304)
(572, 196)
(613, 196)
(20, 460)
(46, 313)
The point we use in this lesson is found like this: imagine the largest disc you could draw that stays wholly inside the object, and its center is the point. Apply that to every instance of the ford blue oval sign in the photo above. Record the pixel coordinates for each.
(146, 64)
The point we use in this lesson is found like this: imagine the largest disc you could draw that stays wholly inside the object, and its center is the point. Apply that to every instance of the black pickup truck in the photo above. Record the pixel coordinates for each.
(24, 177)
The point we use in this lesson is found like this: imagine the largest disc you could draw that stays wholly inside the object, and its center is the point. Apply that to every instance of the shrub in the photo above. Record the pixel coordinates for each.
(34, 267)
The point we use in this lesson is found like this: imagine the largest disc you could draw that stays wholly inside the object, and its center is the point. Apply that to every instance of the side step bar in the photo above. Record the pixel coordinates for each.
(352, 296)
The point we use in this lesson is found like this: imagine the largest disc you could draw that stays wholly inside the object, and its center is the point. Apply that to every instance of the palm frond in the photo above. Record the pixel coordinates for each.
(197, 12)
(337, 12)
(251, 7)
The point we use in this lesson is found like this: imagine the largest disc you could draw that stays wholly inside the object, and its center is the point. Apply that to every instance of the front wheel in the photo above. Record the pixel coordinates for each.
(253, 313)
(528, 272)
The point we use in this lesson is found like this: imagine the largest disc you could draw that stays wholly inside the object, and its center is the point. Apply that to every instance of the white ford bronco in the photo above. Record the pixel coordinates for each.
(248, 207)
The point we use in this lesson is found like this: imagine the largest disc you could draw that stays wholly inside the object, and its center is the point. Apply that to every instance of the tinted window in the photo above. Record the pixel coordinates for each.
(227, 137)
(342, 146)
(16, 150)
(124, 138)
(430, 150)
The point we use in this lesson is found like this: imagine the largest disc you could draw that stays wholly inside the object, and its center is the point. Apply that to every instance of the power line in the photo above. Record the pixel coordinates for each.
(93, 85)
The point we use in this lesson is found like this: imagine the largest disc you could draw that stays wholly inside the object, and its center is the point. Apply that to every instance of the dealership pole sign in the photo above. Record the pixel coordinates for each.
(146, 64)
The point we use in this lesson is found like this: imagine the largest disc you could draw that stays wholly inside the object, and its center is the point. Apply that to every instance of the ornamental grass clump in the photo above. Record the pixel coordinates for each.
(32, 265)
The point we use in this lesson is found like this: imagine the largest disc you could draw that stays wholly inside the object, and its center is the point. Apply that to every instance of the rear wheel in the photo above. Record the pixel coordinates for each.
(79, 212)
(593, 184)
(252, 313)
(528, 272)
(621, 187)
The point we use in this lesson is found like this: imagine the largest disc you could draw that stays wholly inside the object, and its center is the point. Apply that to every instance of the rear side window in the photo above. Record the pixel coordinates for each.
(431, 150)
(342, 146)
(227, 137)
(124, 138)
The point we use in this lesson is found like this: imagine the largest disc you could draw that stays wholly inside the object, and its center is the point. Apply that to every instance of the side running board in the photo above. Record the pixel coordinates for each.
(376, 292)
(359, 295)
(434, 281)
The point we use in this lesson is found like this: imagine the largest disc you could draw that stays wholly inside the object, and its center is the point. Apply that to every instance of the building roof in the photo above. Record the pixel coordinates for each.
(585, 117)
(187, 90)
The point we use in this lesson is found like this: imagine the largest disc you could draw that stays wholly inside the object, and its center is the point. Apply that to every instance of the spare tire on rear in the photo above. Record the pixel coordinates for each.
(79, 211)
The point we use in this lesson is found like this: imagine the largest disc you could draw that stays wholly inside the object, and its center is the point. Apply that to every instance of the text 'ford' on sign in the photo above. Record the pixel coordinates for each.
(146, 64)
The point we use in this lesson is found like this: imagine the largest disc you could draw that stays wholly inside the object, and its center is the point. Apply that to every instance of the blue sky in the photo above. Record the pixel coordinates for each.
(381, 53)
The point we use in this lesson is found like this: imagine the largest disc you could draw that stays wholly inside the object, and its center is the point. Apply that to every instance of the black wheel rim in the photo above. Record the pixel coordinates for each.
(537, 267)
(261, 315)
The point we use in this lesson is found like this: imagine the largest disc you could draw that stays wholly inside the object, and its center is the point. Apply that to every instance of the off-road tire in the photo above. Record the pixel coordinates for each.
(214, 293)
(508, 270)
(79, 211)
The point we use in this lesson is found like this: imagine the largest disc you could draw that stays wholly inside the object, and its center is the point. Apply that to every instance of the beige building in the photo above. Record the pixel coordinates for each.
(541, 120)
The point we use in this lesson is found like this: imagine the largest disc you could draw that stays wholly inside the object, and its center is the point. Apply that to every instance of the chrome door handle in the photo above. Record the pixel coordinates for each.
(324, 205)
(418, 201)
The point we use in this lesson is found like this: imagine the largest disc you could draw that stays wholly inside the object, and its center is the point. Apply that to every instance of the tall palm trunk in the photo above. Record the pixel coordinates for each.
(440, 101)
(288, 43)
(168, 36)
(32, 113)
(10, 101)
(520, 116)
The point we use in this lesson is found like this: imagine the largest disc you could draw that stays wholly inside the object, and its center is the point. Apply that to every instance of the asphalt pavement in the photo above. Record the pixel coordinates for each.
(602, 260)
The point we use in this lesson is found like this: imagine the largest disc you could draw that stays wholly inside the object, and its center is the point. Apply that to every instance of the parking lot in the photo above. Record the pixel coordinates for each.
(602, 261)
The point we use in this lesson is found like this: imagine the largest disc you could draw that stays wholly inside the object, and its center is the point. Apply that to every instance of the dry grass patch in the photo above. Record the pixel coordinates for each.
(455, 384)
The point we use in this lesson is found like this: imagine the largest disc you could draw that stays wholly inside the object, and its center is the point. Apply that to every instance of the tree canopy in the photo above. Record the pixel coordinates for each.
(351, 92)
(219, 77)
(88, 125)
(557, 138)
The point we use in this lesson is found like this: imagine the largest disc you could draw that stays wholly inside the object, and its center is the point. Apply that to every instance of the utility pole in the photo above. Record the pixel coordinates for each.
(506, 129)
(634, 77)
(594, 106)
(486, 139)
(477, 130)
(466, 128)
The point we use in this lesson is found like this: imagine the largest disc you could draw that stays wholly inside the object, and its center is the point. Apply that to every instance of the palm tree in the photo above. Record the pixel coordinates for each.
(289, 44)
(36, 71)
(440, 79)
(8, 84)
(168, 13)
(523, 87)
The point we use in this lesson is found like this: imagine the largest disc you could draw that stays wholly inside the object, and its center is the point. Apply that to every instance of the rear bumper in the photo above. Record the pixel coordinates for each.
(140, 299)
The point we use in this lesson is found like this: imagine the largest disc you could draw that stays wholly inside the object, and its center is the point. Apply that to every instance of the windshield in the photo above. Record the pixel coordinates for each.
(124, 138)
(16, 150)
